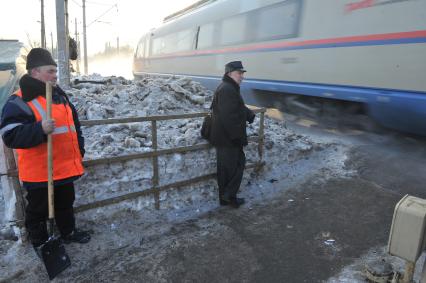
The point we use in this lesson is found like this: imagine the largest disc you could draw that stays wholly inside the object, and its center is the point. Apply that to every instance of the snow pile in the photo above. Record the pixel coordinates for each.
(119, 97)
(149, 97)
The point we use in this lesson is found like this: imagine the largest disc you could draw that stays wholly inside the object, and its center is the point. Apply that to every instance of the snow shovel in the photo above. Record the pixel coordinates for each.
(53, 252)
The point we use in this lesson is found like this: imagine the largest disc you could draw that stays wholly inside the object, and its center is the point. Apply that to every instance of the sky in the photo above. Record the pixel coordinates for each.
(105, 20)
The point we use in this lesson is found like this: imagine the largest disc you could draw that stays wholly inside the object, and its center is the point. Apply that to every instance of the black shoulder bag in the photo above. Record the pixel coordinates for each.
(206, 127)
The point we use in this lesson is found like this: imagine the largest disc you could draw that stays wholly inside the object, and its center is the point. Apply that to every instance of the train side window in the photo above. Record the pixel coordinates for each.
(175, 42)
(277, 21)
(184, 40)
(146, 53)
(206, 36)
(234, 30)
(157, 46)
(163, 44)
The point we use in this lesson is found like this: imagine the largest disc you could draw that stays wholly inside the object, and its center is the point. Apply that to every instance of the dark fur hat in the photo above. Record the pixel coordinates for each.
(39, 57)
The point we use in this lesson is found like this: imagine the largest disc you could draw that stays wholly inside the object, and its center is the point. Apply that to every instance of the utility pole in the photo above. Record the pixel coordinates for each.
(118, 45)
(63, 62)
(67, 37)
(84, 37)
(78, 48)
(51, 42)
(43, 34)
(67, 30)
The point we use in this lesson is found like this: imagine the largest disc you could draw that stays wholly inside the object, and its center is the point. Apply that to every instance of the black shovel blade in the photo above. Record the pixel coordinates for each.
(54, 257)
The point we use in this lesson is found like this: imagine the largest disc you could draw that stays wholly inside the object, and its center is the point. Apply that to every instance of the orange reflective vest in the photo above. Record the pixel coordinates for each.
(67, 160)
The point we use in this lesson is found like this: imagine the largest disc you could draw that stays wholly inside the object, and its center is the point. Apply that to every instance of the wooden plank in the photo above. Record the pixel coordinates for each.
(141, 119)
(149, 154)
(113, 200)
(152, 190)
(127, 157)
(9, 173)
(150, 118)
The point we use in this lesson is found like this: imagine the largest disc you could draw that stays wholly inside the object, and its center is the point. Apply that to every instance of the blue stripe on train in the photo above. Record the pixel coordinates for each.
(396, 109)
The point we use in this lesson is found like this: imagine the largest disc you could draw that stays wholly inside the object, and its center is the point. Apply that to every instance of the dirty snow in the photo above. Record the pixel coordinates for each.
(376, 256)
(290, 158)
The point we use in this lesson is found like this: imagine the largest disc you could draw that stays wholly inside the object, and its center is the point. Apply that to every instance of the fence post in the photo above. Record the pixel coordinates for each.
(409, 272)
(155, 176)
(12, 191)
(261, 136)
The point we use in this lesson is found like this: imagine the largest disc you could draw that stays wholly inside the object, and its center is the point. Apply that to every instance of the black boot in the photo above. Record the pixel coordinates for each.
(38, 234)
(222, 200)
(76, 236)
(233, 201)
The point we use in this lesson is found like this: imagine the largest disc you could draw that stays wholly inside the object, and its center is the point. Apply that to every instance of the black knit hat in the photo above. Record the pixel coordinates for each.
(39, 57)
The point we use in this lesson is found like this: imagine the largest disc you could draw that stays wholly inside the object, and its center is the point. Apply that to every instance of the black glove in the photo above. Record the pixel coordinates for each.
(251, 117)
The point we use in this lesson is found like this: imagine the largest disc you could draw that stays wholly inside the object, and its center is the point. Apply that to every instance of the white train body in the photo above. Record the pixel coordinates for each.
(369, 51)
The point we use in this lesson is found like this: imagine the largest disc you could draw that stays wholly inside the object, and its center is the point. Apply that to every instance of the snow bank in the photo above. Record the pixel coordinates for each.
(119, 97)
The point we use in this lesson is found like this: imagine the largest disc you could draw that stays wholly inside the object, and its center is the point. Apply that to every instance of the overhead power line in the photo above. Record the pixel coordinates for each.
(75, 2)
(97, 3)
(107, 11)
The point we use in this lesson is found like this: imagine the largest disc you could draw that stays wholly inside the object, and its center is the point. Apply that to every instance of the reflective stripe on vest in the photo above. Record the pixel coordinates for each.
(67, 160)
(43, 114)
(9, 127)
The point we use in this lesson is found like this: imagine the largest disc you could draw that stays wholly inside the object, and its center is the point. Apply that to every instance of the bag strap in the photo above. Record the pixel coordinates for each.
(214, 102)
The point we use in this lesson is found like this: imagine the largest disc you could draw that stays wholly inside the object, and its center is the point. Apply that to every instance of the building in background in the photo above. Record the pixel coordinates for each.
(12, 67)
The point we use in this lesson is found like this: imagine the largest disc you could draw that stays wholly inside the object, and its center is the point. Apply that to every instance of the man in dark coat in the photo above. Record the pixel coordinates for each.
(228, 133)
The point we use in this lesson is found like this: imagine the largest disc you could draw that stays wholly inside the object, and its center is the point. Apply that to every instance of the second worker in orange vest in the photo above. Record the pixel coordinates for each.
(24, 127)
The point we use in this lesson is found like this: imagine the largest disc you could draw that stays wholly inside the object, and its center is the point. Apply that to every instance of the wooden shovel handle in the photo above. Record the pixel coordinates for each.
(50, 154)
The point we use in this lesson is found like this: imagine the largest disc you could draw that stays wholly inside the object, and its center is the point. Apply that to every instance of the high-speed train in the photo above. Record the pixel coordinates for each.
(371, 52)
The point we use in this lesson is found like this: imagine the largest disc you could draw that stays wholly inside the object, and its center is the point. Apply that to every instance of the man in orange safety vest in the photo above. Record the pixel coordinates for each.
(24, 127)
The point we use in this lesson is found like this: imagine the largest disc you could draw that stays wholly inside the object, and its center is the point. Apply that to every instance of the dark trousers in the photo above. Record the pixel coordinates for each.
(230, 168)
(36, 211)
